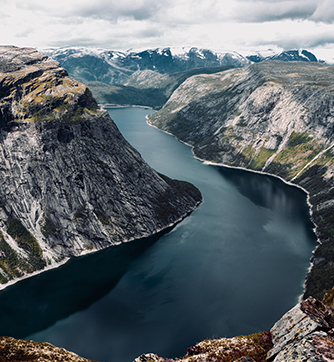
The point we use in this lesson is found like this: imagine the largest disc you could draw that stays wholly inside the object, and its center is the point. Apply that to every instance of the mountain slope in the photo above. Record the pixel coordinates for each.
(146, 87)
(274, 117)
(69, 182)
(149, 77)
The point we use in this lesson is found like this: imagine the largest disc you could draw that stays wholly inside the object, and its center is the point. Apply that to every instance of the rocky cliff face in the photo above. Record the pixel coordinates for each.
(273, 117)
(69, 182)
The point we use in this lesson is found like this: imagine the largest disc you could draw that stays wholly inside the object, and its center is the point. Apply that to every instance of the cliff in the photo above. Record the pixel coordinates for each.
(273, 117)
(69, 182)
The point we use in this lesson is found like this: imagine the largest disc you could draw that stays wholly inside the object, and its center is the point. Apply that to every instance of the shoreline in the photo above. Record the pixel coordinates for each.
(110, 105)
(84, 252)
(289, 183)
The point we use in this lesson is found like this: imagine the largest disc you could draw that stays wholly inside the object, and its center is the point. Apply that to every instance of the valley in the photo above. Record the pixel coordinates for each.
(71, 184)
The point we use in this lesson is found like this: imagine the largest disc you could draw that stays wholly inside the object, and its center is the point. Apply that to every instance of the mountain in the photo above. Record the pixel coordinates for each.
(146, 87)
(69, 182)
(148, 78)
(113, 67)
(274, 117)
(287, 56)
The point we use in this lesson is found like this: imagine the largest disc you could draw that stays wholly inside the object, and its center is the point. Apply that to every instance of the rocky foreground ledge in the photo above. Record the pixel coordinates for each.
(69, 182)
(305, 333)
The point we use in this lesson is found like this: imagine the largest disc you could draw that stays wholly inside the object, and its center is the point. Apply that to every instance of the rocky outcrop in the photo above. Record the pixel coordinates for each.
(21, 351)
(69, 182)
(304, 333)
(273, 117)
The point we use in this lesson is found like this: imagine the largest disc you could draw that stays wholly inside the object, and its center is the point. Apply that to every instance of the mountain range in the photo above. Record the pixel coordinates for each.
(149, 77)
(71, 184)
(114, 67)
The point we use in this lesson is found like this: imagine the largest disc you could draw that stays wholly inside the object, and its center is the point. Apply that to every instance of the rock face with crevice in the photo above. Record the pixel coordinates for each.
(69, 182)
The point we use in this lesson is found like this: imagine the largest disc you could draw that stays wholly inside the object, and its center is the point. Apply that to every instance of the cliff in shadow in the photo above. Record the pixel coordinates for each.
(69, 182)
(273, 117)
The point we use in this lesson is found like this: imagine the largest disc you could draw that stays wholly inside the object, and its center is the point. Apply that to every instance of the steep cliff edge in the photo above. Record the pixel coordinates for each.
(272, 117)
(69, 182)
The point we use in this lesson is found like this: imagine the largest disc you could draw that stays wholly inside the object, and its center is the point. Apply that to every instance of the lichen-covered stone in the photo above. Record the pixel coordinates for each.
(69, 182)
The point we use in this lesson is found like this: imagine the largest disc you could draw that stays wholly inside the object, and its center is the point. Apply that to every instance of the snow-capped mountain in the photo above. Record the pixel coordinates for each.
(114, 67)
(287, 56)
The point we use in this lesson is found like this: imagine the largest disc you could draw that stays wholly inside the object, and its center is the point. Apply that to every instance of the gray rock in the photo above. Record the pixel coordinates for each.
(67, 174)
(274, 117)
(303, 333)
(316, 347)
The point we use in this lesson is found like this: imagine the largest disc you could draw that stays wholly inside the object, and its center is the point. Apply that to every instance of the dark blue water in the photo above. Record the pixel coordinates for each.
(234, 266)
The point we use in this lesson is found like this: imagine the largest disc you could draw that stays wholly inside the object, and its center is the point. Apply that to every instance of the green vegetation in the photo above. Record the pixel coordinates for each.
(297, 138)
(11, 263)
(154, 97)
(23, 237)
(260, 159)
(103, 219)
(321, 279)
(26, 241)
(125, 95)
(279, 169)
(47, 227)
(300, 150)
(8, 262)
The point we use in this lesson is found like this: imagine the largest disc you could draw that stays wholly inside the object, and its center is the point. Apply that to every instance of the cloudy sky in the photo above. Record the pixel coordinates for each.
(241, 25)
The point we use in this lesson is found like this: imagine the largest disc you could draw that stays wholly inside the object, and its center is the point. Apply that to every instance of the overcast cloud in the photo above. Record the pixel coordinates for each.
(241, 25)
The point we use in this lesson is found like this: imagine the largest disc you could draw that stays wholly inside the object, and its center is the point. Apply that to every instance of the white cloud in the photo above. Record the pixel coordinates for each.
(215, 24)
(265, 10)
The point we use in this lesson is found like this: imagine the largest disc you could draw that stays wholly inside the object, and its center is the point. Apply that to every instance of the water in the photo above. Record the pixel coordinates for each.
(234, 266)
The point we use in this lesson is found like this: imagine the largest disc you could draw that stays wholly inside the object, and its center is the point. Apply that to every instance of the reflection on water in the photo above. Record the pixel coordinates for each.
(38, 302)
(270, 192)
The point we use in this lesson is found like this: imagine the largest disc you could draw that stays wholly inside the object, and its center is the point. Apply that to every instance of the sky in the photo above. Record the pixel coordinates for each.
(239, 25)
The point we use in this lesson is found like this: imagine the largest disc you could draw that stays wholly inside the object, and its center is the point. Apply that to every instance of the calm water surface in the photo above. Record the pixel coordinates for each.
(234, 266)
